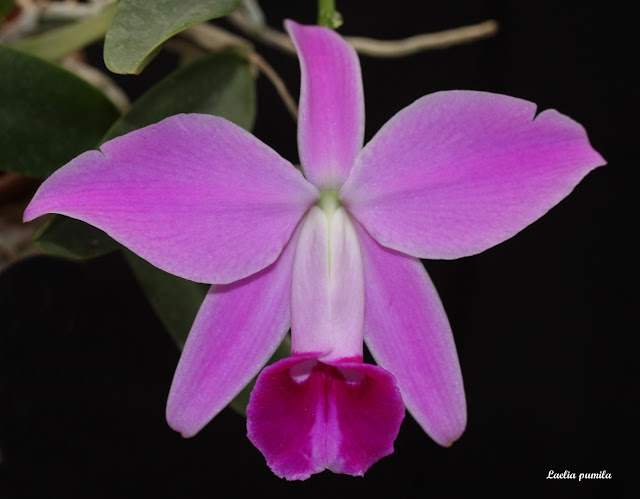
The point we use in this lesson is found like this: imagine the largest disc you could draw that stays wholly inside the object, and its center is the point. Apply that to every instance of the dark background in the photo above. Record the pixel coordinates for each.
(545, 323)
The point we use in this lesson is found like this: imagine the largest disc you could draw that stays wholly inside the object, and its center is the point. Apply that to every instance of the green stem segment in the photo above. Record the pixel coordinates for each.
(327, 14)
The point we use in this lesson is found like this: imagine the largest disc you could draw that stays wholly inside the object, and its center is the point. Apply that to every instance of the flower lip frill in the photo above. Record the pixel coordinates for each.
(335, 255)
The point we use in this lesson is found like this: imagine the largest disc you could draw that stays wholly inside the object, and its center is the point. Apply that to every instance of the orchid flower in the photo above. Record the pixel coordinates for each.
(333, 254)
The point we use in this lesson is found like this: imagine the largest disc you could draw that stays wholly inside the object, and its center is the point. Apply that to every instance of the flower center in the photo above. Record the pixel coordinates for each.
(327, 307)
(329, 202)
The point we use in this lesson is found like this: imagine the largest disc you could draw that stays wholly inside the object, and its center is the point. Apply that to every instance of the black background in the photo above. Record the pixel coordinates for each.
(545, 323)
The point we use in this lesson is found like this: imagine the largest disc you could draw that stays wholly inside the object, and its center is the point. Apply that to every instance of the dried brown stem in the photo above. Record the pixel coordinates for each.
(423, 42)
(98, 79)
(370, 46)
(277, 83)
(262, 32)
(214, 38)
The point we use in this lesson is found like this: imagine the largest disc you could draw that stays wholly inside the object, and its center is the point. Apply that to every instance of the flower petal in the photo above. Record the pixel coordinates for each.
(457, 172)
(331, 121)
(237, 329)
(327, 295)
(407, 332)
(194, 195)
(342, 417)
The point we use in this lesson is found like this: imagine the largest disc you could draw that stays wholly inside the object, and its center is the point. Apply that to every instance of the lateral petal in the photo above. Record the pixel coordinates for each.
(331, 119)
(458, 172)
(407, 332)
(237, 329)
(195, 195)
(343, 417)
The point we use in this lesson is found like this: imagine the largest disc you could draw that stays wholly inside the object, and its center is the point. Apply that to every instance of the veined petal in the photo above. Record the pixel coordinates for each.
(193, 194)
(407, 332)
(237, 329)
(310, 306)
(343, 417)
(331, 120)
(458, 172)
(327, 296)
(346, 290)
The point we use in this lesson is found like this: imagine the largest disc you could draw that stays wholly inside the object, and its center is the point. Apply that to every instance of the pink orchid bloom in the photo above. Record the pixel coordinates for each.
(334, 254)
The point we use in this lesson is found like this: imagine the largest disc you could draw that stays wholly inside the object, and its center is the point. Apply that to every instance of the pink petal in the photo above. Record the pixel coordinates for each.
(310, 307)
(457, 172)
(342, 417)
(331, 120)
(237, 329)
(194, 195)
(327, 297)
(407, 332)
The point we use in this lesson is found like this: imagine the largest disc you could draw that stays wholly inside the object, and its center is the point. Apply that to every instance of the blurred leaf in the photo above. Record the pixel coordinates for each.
(6, 6)
(48, 115)
(60, 42)
(175, 300)
(219, 84)
(140, 27)
(70, 238)
(239, 404)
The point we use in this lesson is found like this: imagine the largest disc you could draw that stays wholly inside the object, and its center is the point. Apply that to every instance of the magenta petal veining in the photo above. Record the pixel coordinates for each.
(458, 172)
(237, 329)
(421, 352)
(195, 195)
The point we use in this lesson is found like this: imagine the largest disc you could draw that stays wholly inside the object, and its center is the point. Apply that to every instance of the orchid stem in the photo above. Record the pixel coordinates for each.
(369, 46)
(328, 15)
(213, 38)
(277, 83)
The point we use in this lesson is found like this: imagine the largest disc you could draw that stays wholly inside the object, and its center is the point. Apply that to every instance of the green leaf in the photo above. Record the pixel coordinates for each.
(220, 83)
(48, 115)
(70, 238)
(60, 42)
(174, 300)
(140, 27)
